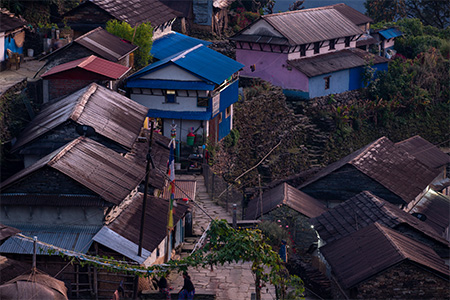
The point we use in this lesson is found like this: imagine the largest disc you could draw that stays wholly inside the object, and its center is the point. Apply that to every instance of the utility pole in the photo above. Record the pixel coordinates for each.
(147, 175)
(260, 195)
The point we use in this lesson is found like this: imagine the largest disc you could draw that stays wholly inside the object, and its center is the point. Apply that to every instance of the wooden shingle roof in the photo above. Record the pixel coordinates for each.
(373, 249)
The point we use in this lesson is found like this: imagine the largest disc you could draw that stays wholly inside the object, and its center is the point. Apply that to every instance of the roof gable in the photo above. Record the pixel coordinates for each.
(92, 64)
(96, 106)
(285, 194)
(98, 168)
(373, 249)
(199, 60)
(388, 165)
(363, 210)
(312, 25)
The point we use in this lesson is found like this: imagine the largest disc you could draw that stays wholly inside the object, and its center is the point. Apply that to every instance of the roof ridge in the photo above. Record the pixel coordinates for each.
(66, 149)
(369, 146)
(82, 102)
(184, 53)
(87, 33)
(388, 237)
(87, 61)
(299, 11)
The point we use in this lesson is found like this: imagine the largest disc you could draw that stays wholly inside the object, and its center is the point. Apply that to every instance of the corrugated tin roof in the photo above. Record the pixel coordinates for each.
(180, 115)
(312, 25)
(203, 62)
(52, 200)
(7, 231)
(361, 211)
(105, 44)
(183, 189)
(9, 22)
(173, 43)
(389, 165)
(160, 155)
(71, 237)
(261, 39)
(127, 224)
(98, 168)
(352, 14)
(93, 64)
(135, 12)
(284, 194)
(425, 152)
(335, 61)
(436, 207)
(373, 249)
(170, 85)
(390, 33)
(109, 113)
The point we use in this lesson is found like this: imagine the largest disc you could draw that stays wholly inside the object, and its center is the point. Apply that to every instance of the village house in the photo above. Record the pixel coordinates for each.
(67, 78)
(12, 38)
(376, 262)
(93, 13)
(292, 208)
(309, 53)
(95, 107)
(382, 168)
(96, 42)
(194, 89)
(386, 40)
(365, 209)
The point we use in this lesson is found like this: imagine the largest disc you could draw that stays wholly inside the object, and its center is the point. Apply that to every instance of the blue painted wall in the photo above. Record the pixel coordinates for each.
(339, 82)
(11, 45)
(229, 95)
(356, 75)
(224, 126)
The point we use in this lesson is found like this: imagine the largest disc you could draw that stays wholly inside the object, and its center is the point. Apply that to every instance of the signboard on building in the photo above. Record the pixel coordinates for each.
(216, 104)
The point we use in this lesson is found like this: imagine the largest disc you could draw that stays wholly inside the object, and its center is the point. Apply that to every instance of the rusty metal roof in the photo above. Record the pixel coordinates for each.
(424, 151)
(436, 207)
(387, 164)
(6, 231)
(335, 61)
(109, 113)
(9, 22)
(127, 223)
(183, 189)
(160, 155)
(135, 12)
(375, 248)
(312, 25)
(105, 44)
(98, 168)
(284, 194)
(51, 200)
(352, 14)
(94, 64)
(361, 211)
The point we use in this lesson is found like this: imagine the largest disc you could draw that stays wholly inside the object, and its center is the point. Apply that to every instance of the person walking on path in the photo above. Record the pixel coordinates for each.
(188, 290)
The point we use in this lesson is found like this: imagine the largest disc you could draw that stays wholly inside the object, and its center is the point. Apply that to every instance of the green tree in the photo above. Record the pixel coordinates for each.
(141, 36)
(385, 10)
(227, 245)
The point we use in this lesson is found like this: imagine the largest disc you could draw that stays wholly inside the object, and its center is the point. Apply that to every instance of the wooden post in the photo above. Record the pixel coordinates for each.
(260, 196)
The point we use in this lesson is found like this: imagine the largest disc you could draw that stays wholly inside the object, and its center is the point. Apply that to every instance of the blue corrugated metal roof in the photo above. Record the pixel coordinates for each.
(390, 33)
(74, 237)
(170, 85)
(201, 61)
(179, 115)
(174, 43)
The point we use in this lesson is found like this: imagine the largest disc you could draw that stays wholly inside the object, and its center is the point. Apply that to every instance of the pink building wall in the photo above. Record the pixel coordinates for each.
(271, 67)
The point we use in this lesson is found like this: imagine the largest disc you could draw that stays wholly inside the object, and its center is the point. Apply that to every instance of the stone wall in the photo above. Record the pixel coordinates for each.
(404, 281)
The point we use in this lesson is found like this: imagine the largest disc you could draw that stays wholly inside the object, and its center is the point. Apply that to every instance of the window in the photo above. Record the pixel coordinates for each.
(228, 112)
(170, 96)
(302, 50)
(316, 47)
(332, 44)
(327, 82)
(220, 118)
(202, 101)
(347, 42)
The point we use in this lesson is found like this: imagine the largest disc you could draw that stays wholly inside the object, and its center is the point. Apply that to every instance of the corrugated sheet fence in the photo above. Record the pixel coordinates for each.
(222, 192)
